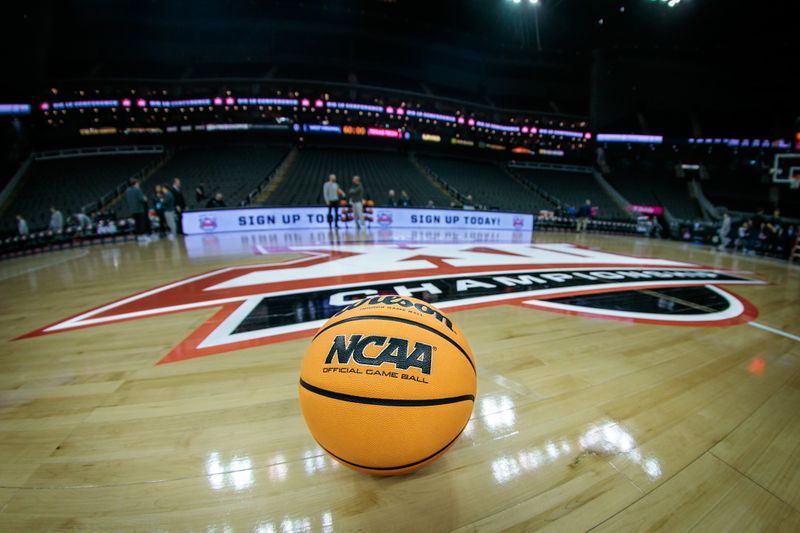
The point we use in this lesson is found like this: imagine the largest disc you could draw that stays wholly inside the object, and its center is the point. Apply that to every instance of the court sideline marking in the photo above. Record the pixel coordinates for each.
(704, 308)
(775, 331)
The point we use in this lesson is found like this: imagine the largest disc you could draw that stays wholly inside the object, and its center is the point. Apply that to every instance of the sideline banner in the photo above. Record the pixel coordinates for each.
(646, 209)
(296, 218)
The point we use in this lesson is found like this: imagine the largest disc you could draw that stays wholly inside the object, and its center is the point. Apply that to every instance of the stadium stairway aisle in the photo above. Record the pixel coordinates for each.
(489, 184)
(571, 188)
(234, 170)
(655, 183)
(281, 171)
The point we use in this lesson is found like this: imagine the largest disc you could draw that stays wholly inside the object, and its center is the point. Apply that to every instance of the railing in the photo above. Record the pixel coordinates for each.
(452, 191)
(97, 151)
(428, 173)
(11, 186)
(705, 204)
(525, 182)
(563, 167)
(252, 195)
(615, 195)
(107, 199)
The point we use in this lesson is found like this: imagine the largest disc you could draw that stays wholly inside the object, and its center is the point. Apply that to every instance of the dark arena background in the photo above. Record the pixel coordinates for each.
(604, 196)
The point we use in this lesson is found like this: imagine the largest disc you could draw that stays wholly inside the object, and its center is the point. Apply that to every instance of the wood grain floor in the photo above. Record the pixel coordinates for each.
(580, 423)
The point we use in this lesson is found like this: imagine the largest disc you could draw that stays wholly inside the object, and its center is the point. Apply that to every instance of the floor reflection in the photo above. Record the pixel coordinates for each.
(236, 474)
(316, 460)
(294, 524)
(497, 413)
(607, 439)
(278, 241)
(278, 468)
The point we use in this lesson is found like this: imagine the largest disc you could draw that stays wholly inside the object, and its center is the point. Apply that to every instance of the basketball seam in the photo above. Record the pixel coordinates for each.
(415, 463)
(405, 321)
(385, 401)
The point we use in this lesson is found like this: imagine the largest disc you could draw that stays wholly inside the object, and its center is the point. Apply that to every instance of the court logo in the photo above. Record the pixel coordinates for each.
(384, 219)
(208, 223)
(260, 304)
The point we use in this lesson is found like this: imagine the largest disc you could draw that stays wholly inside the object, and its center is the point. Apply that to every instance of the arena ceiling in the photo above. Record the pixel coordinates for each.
(553, 56)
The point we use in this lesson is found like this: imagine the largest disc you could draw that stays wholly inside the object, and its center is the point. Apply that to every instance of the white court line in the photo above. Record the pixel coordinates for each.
(776, 331)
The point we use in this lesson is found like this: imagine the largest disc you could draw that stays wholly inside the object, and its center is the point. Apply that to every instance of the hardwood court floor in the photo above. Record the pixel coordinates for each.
(580, 423)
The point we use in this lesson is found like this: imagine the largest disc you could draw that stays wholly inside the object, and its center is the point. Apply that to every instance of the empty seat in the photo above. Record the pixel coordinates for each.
(69, 184)
(489, 184)
(234, 170)
(379, 171)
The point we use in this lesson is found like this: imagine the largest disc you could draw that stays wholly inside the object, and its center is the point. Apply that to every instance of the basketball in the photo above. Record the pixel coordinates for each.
(387, 385)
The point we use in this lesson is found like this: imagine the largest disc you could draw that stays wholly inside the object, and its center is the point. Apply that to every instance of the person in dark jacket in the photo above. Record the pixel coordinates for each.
(180, 203)
(356, 195)
(200, 194)
(158, 207)
(216, 201)
(177, 193)
(168, 201)
(584, 216)
(136, 202)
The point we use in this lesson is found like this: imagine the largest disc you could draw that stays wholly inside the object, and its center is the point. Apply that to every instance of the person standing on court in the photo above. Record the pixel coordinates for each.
(22, 226)
(56, 220)
(330, 195)
(584, 214)
(177, 194)
(180, 202)
(158, 207)
(136, 202)
(356, 195)
(168, 204)
(724, 231)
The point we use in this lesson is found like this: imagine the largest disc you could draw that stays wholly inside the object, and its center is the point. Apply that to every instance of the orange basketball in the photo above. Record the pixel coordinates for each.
(387, 385)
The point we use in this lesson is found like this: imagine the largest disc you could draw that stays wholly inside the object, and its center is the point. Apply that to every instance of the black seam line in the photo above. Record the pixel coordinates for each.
(385, 401)
(415, 463)
(404, 321)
